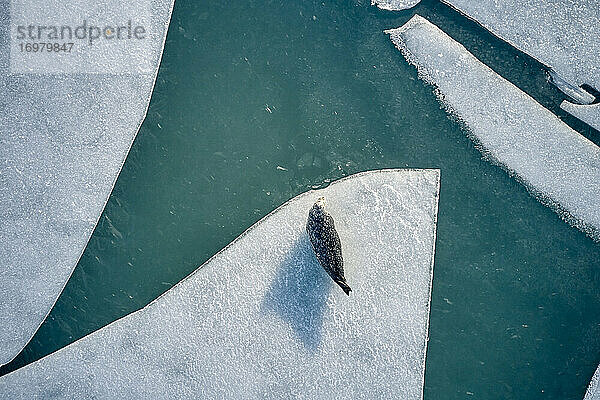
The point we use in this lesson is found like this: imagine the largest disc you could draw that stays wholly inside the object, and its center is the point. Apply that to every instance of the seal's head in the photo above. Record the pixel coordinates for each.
(318, 209)
(320, 202)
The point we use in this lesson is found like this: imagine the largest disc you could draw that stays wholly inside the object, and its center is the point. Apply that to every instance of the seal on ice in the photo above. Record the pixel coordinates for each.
(326, 243)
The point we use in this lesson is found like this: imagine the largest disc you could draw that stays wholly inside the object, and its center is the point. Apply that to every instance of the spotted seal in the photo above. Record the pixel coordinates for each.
(326, 243)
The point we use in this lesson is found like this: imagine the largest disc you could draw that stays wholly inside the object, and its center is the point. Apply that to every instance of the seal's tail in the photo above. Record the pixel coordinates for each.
(344, 287)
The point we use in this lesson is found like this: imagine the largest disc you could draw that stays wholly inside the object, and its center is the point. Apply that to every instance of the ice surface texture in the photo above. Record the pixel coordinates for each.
(560, 34)
(262, 319)
(63, 141)
(589, 113)
(554, 161)
(395, 5)
(593, 391)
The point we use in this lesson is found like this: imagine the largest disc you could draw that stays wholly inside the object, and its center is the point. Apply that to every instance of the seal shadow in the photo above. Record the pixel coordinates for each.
(299, 292)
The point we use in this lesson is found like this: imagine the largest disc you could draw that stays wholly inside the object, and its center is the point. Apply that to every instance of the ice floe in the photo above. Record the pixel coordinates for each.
(395, 5)
(578, 94)
(262, 319)
(68, 121)
(554, 161)
(560, 34)
(593, 390)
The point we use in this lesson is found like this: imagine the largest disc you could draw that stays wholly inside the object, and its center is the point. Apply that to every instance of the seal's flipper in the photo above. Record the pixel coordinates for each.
(344, 287)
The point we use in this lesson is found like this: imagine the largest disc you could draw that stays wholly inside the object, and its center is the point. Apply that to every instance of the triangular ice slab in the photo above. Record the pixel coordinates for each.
(593, 391)
(553, 160)
(262, 319)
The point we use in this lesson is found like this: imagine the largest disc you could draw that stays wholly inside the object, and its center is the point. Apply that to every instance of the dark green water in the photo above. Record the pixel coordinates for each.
(317, 89)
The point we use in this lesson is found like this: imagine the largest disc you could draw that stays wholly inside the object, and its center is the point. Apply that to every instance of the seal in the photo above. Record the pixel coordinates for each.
(326, 243)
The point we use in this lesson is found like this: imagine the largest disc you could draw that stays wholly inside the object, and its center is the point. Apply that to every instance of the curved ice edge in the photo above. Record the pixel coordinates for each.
(486, 115)
(5, 359)
(395, 5)
(276, 321)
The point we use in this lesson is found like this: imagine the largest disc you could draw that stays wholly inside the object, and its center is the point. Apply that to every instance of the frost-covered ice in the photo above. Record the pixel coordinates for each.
(262, 319)
(593, 391)
(63, 141)
(553, 160)
(560, 34)
(589, 113)
(395, 5)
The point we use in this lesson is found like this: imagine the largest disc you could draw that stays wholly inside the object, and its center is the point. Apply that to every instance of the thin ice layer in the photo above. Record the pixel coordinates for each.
(395, 5)
(560, 34)
(553, 160)
(593, 391)
(588, 113)
(63, 141)
(262, 319)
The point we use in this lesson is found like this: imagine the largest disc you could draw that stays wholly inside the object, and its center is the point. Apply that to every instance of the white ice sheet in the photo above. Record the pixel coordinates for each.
(63, 141)
(262, 319)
